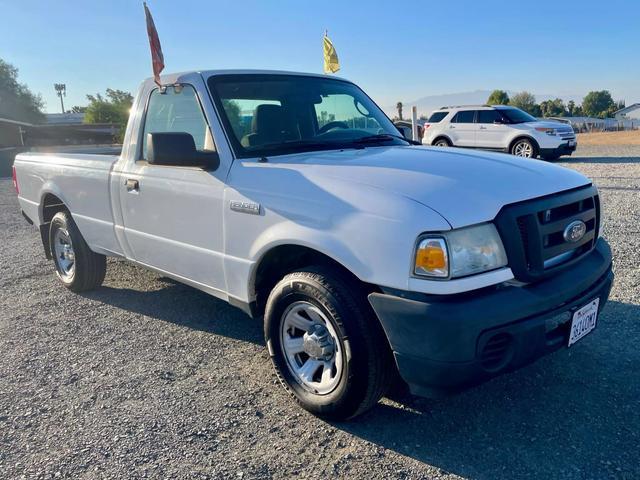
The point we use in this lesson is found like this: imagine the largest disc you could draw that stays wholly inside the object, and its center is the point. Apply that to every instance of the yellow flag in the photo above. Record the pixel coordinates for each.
(331, 63)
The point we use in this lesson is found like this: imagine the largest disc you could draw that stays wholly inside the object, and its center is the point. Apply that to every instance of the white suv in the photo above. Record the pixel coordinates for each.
(501, 128)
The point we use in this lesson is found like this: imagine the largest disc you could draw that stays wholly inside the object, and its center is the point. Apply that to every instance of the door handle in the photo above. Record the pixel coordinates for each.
(483, 128)
(451, 126)
(132, 185)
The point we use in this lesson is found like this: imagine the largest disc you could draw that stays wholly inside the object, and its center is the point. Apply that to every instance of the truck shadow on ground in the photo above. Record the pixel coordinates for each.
(185, 306)
(572, 414)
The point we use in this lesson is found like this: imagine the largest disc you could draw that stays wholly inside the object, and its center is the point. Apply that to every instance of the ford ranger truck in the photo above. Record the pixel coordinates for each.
(293, 197)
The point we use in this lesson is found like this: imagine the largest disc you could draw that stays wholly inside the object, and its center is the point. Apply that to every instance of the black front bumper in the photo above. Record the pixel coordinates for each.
(563, 149)
(444, 344)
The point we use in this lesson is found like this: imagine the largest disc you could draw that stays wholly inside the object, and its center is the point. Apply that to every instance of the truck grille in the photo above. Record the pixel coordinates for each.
(533, 232)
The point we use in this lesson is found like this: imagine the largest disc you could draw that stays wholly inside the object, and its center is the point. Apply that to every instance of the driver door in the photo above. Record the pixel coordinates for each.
(172, 215)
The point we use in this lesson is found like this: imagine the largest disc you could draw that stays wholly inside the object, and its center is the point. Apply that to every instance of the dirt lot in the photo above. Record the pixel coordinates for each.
(614, 139)
(148, 378)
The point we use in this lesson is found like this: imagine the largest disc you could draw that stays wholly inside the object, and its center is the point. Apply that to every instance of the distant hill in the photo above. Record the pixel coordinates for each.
(428, 104)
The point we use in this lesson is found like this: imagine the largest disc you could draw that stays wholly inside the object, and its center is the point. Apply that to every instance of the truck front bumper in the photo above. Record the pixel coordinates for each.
(446, 343)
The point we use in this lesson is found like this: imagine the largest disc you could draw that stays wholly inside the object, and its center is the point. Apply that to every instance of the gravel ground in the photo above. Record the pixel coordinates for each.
(148, 378)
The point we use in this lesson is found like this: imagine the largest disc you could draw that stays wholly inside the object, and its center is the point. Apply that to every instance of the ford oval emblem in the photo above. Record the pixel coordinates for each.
(574, 231)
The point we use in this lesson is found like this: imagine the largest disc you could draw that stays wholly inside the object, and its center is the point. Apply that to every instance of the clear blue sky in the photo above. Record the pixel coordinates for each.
(547, 47)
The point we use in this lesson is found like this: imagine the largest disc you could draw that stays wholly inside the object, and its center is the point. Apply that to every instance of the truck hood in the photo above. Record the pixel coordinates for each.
(463, 186)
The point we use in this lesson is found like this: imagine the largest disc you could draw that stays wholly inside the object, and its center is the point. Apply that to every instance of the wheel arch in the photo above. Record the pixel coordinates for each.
(50, 205)
(279, 260)
(535, 143)
(440, 137)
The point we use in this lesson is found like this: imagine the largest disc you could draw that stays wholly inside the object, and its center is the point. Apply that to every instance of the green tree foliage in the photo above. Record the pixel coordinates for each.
(16, 100)
(526, 101)
(553, 108)
(114, 108)
(78, 109)
(498, 97)
(598, 104)
(232, 109)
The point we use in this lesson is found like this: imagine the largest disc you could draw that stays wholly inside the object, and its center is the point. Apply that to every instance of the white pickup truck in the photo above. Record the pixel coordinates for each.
(371, 259)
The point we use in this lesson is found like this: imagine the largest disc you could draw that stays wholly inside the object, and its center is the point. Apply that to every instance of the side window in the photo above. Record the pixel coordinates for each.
(437, 117)
(488, 116)
(177, 110)
(464, 116)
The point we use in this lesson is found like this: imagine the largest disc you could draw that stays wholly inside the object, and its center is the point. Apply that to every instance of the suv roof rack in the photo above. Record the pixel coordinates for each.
(468, 106)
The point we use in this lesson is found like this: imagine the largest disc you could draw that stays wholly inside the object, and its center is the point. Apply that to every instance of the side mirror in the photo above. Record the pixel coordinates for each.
(178, 149)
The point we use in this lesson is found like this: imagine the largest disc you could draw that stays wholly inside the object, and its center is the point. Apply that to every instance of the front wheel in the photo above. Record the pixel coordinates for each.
(77, 267)
(327, 346)
(524, 148)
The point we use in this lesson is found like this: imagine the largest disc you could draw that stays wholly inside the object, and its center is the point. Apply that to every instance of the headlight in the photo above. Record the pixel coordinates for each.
(459, 253)
(548, 131)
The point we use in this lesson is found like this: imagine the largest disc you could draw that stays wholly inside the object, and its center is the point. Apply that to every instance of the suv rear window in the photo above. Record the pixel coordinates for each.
(437, 116)
(464, 116)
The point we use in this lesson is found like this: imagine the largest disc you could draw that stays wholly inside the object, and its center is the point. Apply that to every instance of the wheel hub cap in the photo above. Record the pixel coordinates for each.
(317, 343)
(311, 347)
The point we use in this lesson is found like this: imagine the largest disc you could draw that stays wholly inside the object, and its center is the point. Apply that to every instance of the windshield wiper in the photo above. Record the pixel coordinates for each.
(384, 137)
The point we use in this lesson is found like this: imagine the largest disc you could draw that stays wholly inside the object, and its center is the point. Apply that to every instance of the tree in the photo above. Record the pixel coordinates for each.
(78, 109)
(553, 108)
(112, 109)
(526, 101)
(16, 100)
(399, 107)
(498, 97)
(598, 104)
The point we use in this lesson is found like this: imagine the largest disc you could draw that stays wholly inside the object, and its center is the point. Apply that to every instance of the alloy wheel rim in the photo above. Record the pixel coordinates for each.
(311, 348)
(523, 149)
(64, 253)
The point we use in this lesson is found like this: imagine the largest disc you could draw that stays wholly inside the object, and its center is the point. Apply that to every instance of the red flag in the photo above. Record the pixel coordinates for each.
(157, 59)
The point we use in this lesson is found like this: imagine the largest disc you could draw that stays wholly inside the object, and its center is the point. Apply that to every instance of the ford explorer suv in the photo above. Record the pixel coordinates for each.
(500, 128)
(373, 262)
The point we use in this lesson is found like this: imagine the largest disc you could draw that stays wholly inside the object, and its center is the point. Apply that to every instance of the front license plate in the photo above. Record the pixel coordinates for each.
(583, 321)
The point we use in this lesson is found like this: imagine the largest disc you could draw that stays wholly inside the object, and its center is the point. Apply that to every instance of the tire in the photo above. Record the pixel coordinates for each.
(441, 142)
(361, 366)
(525, 148)
(77, 267)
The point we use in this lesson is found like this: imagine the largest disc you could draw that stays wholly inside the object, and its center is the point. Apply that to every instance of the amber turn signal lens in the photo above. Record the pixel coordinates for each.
(431, 258)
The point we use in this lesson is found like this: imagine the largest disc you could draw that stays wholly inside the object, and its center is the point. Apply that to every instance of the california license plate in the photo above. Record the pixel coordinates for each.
(583, 321)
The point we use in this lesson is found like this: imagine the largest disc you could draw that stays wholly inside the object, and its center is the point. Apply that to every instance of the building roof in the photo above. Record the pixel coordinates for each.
(64, 118)
(628, 109)
(15, 122)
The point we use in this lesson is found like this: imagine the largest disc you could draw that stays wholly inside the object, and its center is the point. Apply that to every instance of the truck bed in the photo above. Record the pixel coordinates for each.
(79, 180)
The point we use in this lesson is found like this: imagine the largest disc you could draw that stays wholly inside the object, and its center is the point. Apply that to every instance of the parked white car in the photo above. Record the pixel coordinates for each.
(293, 197)
(500, 128)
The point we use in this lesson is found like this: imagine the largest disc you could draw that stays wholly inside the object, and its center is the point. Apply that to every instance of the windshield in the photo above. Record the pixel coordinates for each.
(267, 114)
(515, 115)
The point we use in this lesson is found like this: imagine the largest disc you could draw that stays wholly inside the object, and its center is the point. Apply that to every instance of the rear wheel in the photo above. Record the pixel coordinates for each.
(326, 344)
(524, 148)
(77, 267)
(442, 142)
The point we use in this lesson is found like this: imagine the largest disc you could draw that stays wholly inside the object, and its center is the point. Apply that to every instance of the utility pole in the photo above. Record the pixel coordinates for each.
(61, 90)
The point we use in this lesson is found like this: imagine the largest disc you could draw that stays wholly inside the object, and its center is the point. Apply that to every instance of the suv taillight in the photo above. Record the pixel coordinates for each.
(426, 125)
(15, 180)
